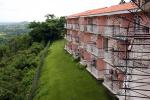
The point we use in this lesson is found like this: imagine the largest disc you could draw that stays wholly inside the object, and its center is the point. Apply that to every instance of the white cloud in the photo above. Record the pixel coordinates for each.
(29, 10)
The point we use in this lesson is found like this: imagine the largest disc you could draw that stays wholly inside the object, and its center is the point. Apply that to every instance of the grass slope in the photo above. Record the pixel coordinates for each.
(62, 79)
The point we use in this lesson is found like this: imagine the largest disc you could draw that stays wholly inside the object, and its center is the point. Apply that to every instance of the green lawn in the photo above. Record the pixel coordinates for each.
(63, 79)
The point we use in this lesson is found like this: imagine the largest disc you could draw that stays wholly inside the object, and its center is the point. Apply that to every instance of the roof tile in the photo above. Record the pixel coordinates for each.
(121, 7)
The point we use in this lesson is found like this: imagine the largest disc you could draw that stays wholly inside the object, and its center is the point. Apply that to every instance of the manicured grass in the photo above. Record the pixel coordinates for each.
(63, 79)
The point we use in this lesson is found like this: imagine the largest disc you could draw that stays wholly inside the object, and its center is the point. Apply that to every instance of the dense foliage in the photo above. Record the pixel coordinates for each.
(19, 57)
(52, 28)
(18, 61)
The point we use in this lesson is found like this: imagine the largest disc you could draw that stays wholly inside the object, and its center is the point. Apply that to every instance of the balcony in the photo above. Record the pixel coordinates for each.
(68, 49)
(95, 51)
(82, 28)
(68, 38)
(113, 86)
(76, 40)
(113, 80)
(91, 67)
(76, 54)
(83, 62)
(65, 25)
(71, 26)
(68, 26)
(141, 31)
(65, 37)
(113, 58)
(115, 32)
(108, 31)
(75, 26)
(93, 29)
(89, 28)
(94, 38)
(108, 56)
(82, 45)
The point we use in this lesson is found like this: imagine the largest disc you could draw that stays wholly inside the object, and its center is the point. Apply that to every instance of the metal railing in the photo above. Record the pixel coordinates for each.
(115, 32)
(69, 50)
(76, 39)
(114, 59)
(93, 29)
(82, 45)
(91, 67)
(68, 26)
(75, 26)
(76, 54)
(99, 52)
(82, 28)
(68, 37)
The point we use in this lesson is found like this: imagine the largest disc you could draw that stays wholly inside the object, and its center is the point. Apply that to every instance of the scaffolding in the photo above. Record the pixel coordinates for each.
(131, 61)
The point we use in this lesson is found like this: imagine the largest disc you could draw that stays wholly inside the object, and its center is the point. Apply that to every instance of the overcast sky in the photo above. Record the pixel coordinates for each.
(29, 10)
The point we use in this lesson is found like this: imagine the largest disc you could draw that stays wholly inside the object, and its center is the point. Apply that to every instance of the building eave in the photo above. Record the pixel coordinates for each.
(111, 13)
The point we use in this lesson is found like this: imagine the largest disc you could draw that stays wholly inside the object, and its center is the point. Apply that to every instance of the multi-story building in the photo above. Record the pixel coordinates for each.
(112, 42)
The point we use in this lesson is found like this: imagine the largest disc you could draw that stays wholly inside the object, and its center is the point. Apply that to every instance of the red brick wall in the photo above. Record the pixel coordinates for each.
(99, 42)
(100, 64)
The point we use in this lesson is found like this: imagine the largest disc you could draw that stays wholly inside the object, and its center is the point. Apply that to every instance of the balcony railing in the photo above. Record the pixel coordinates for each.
(95, 51)
(94, 38)
(76, 54)
(68, 37)
(75, 26)
(72, 26)
(115, 32)
(68, 49)
(76, 39)
(69, 26)
(96, 29)
(113, 86)
(113, 81)
(92, 69)
(83, 62)
(108, 31)
(93, 29)
(114, 59)
(108, 56)
(82, 45)
(89, 28)
(142, 31)
(65, 25)
(82, 28)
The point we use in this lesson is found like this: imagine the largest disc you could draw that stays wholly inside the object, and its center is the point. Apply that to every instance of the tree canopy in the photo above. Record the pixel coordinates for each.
(51, 29)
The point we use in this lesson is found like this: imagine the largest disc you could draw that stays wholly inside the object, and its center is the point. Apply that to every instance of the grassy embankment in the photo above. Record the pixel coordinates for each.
(63, 79)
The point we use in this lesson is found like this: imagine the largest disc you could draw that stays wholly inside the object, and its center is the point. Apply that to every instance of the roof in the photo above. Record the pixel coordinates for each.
(115, 8)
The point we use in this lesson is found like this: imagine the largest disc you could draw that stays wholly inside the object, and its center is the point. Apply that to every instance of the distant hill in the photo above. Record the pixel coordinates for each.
(14, 28)
(13, 23)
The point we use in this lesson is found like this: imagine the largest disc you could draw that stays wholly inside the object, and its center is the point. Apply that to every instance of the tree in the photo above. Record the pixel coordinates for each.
(50, 16)
(49, 30)
(122, 2)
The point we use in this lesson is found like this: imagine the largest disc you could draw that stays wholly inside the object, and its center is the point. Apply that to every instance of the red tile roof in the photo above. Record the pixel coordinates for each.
(115, 8)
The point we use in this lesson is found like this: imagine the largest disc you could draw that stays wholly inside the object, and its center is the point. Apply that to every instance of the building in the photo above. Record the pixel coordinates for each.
(114, 45)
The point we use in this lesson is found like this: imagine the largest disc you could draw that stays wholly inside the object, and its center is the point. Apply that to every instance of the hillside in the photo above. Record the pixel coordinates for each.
(14, 28)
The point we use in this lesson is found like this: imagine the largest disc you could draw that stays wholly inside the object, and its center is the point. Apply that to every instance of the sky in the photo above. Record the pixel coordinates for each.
(35, 10)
